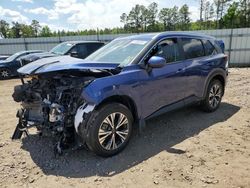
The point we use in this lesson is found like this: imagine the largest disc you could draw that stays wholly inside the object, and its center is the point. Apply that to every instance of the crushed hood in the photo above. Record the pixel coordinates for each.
(60, 63)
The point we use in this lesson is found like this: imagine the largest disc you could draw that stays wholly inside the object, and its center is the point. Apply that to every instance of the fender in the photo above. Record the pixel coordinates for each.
(211, 75)
(103, 88)
(127, 83)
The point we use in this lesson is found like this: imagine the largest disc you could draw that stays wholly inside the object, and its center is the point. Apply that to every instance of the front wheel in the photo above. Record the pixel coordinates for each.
(213, 96)
(109, 129)
(4, 73)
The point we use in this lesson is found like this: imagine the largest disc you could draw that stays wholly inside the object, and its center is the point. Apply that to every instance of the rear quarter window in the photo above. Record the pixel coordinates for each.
(209, 48)
(218, 47)
(193, 48)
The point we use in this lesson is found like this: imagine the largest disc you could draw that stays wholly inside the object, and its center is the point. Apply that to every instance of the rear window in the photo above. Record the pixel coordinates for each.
(209, 48)
(193, 48)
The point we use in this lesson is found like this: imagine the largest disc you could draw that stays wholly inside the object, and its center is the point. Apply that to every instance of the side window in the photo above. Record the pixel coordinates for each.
(193, 48)
(93, 47)
(169, 50)
(82, 50)
(209, 48)
(72, 50)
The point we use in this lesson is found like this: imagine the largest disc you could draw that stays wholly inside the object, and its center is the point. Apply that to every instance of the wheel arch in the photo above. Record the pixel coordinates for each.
(219, 75)
(122, 99)
(220, 78)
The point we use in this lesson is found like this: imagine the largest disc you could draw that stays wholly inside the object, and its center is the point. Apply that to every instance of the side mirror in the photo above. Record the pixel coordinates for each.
(156, 62)
(74, 54)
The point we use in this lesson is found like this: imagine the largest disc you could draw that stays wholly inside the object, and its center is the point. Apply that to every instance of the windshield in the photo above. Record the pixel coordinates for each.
(14, 56)
(120, 51)
(61, 49)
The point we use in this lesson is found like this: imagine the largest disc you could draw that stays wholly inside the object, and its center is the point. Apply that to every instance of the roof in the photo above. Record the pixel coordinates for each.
(80, 42)
(34, 51)
(184, 33)
(148, 36)
(168, 33)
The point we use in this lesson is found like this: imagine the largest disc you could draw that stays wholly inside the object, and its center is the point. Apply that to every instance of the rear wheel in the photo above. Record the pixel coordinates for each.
(4, 73)
(213, 96)
(109, 129)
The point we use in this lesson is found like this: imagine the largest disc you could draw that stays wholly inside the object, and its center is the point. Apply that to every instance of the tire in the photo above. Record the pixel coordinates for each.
(101, 134)
(5, 74)
(213, 97)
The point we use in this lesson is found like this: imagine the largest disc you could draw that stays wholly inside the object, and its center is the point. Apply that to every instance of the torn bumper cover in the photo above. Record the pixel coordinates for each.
(82, 115)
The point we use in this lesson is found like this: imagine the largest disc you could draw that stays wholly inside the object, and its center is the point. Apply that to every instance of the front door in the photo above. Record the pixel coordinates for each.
(167, 85)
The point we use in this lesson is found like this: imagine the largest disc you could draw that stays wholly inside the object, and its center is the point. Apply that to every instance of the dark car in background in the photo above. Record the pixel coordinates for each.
(78, 49)
(9, 66)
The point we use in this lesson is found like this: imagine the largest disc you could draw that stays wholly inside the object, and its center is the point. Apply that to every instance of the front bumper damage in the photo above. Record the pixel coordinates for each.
(53, 98)
(58, 111)
(80, 127)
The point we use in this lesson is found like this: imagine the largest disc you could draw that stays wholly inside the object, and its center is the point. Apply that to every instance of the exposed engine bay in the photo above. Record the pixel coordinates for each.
(50, 102)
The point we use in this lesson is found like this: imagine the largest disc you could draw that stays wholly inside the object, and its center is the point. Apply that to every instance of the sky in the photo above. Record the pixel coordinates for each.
(80, 14)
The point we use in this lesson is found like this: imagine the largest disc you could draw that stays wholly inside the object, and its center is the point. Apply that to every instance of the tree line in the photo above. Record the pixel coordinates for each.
(220, 14)
(150, 19)
(19, 30)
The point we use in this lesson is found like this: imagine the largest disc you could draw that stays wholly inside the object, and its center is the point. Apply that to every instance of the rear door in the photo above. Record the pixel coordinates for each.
(195, 57)
(201, 57)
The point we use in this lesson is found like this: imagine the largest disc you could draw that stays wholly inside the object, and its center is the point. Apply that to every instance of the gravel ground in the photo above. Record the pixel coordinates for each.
(186, 148)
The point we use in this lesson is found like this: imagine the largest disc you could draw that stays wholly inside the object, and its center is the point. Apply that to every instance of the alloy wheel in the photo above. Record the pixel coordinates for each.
(4, 73)
(113, 131)
(215, 95)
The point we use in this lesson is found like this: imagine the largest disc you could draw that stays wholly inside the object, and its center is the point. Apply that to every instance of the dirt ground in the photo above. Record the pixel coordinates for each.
(186, 148)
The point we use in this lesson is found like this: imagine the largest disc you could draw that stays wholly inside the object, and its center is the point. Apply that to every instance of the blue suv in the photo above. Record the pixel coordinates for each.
(95, 102)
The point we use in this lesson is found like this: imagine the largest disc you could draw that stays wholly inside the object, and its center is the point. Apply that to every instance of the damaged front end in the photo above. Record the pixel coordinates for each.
(52, 103)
